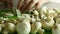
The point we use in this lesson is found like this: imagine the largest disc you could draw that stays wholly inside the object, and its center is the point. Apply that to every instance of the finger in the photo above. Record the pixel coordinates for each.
(31, 4)
(26, 2)
(10, 3)
(40, 3)
(20, 3)
(37, 5)
(4, 2)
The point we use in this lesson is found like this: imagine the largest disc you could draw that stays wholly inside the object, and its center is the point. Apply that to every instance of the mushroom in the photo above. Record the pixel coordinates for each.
(41, 31)
(52, 12)
(48, 23)
(57, 19)
(10, 27)
(5, 32)
(56, 29)
(33, 19)
(1, 25)
(35, 12)
(24, 27)
(35, 27)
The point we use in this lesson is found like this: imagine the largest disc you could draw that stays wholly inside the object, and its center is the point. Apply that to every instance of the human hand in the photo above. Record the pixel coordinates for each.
(29, 4)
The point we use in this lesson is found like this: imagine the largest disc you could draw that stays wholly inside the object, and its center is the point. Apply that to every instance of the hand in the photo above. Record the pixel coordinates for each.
(28, 4)
(9, 4)
(6, 4)
(3, 4)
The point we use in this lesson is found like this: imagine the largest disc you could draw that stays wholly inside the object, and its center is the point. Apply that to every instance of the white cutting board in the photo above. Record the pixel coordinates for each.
(53, 4)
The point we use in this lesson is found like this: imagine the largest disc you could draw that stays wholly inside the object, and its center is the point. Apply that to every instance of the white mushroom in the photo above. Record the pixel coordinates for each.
(41, 31)
(35, 12)
(5, 32)
(56, 29)
(58, 19)
(24, 27)
(44, 8)
(33, 19)
(48, 11)
(10, 27)
(42, 14)
(37, 18)
(21, 18)
(1, 27)
(57, 10)
(35, 27)
(48, 23)
(52, 12)
(43, 11)
(27, 16)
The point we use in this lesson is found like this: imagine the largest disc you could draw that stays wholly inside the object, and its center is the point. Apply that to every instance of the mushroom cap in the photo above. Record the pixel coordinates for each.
(23, 27)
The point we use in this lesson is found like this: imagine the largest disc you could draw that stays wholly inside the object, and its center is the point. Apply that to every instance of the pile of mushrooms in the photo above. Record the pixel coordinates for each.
(32, 22)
